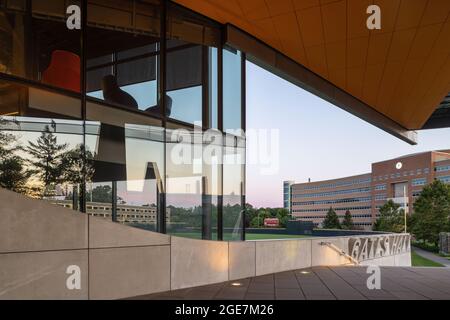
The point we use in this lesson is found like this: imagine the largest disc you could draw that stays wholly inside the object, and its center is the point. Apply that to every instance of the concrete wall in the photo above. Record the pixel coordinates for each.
(39, 241)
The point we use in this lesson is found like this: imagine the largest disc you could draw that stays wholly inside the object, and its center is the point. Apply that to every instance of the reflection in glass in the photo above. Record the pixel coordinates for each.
(99, 199)
(123, 60)
(184, 82)
(233, 187)
(184, 184)
(129, 159)
(232, 87)
(109, 154)
(213, 88)
(40, 156)
(39, 46)
(212, 169)
(190, 63)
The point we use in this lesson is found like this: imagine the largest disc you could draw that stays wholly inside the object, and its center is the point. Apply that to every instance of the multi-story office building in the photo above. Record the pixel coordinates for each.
(400, 179)
(287, 194)
(146, 216)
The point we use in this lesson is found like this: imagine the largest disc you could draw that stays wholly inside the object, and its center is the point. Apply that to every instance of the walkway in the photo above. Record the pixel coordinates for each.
(433, 257)
(320, 283)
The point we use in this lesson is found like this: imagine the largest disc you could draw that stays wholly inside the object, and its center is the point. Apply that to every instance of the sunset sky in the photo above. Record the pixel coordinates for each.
(317, 139)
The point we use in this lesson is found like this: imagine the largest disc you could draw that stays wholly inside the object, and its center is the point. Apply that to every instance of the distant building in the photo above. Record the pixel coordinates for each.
(287, 194)
(126, 214)
(401, 180)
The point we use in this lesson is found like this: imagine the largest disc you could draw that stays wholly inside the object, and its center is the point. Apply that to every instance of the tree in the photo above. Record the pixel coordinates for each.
(47, 159)
(73, 163)
(13, 175)
(347, 223)
(432, 212)
(331, 221)
(255, 217)
(391, 218)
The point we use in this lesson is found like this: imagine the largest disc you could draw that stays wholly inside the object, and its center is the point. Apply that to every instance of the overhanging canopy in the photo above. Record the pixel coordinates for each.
(401, 72)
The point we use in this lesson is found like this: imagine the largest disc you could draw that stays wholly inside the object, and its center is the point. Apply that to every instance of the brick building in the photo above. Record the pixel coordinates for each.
(400, 179)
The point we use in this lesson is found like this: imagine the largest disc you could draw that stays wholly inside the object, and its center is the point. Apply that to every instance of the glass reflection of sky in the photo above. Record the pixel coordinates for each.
(186, 103)
(145, 93)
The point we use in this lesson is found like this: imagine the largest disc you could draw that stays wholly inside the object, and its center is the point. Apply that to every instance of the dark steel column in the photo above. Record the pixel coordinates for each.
(114, 201)
(161, 215)
(220, 127)
(244, 128)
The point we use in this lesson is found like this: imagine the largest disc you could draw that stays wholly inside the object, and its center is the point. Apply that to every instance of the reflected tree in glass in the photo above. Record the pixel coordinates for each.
(13, 173)
(47, 159)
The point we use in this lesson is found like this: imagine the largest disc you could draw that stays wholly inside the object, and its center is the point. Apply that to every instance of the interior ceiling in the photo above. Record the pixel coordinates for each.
(402, 70)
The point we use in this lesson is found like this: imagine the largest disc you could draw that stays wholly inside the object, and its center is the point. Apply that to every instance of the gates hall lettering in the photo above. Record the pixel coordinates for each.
(366, 248)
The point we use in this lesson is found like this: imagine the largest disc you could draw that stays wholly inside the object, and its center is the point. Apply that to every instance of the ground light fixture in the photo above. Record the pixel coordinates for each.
(304, 272)
(236, 284)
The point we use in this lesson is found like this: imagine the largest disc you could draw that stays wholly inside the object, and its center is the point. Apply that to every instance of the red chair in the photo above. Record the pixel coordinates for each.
(63, 71)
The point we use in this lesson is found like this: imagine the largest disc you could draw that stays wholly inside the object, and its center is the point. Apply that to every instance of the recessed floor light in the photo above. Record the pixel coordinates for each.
(304, 272)
(236, 284)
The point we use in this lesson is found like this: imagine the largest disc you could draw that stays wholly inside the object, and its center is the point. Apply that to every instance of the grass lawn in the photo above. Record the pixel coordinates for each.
(248, 236)
(419, 261)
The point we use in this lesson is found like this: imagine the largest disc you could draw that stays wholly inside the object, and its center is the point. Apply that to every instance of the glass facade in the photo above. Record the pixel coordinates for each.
(115, 119)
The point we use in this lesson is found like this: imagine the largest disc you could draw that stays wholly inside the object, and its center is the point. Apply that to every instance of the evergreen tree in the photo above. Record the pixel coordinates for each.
(347, 223)
(331, 221)
(72, 164)
(47, 159)
(392, 218)
(432, 212)
(13, 175)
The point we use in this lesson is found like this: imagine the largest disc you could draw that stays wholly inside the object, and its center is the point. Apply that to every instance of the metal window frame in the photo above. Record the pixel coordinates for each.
(161, 220)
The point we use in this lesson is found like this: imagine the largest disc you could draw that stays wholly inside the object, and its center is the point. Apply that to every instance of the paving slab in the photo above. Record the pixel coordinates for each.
(325, 283)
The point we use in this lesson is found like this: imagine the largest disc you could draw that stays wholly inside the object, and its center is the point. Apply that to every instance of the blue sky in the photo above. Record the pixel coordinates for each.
(317, 139)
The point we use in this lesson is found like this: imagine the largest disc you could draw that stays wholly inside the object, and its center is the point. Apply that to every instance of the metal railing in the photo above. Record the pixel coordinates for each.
(339, 251)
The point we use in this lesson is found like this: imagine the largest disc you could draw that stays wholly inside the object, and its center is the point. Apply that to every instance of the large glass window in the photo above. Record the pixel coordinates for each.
(232, 89)
(233, 187)
(105, 147)
(126, 153)
(40, 151)
(38, 45)
(185, 182)
(191, 62)
(212, 175)
(123, 53)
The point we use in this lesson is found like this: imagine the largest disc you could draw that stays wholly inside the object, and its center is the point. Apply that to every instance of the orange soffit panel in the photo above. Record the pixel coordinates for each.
(401, 70)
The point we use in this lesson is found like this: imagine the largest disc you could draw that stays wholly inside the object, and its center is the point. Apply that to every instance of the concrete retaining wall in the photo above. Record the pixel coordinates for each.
(39, 241)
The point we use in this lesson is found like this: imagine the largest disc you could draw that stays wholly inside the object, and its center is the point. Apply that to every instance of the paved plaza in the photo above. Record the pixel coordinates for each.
(324, 283)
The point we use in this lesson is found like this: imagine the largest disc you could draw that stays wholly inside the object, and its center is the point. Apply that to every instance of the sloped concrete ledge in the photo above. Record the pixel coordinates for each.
(40, 241)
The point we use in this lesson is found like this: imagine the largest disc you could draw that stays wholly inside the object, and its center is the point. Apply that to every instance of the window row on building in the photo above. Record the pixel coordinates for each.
(442, 168)
(332, 193)
(345, 200)
(418, 182)
(341, 216)
(402, 174)
(380, 197)
(345, 183)
(380, 187)
(444, 179)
